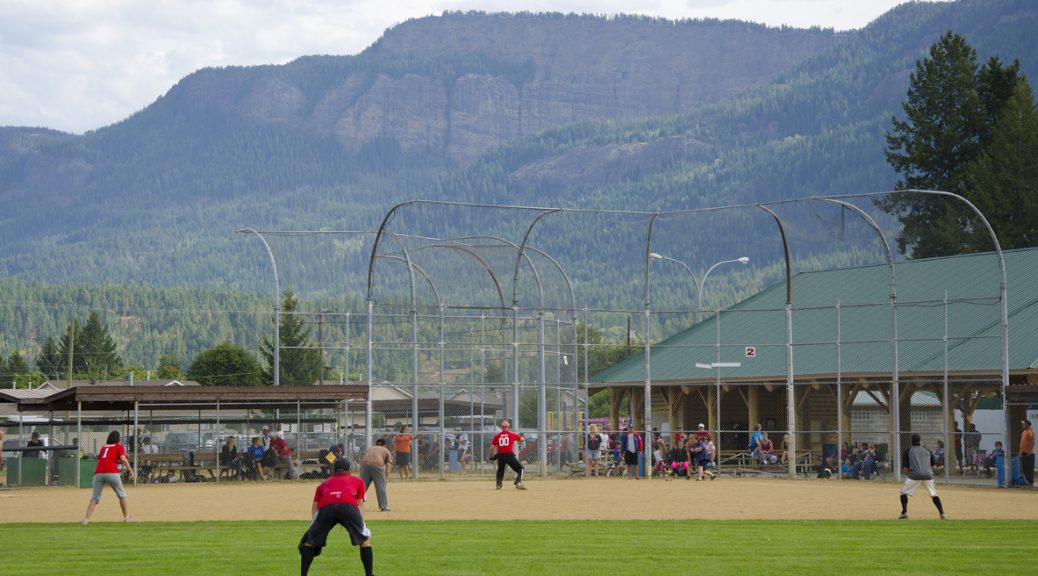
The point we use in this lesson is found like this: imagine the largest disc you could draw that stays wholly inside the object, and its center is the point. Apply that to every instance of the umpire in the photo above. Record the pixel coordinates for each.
(338, 500)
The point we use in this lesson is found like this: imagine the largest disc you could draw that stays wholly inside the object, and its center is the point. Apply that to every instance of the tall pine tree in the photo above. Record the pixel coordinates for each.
(1005, 177)
(49, 360)
(950, 112)
(299, 359)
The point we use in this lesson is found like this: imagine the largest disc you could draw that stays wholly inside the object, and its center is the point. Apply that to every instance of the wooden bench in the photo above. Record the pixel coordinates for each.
(163, 464)
(309, 460)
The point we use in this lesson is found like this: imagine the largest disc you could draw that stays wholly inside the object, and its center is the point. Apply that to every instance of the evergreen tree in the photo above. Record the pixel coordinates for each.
(950, 110)
(71, 344)
(98, 349)
(16, 364)
(1006, 175)
(6, 376)
(225, 365)
(300, 361)
(169, 367)
(48, 361)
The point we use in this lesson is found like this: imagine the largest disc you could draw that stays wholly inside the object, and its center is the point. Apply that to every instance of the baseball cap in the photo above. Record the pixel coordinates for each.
(1028, 422)
(701, 425)
(916, 439)
(341, 465)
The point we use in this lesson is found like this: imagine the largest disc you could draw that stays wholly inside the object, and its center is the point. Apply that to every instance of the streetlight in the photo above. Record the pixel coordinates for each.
(699, 282)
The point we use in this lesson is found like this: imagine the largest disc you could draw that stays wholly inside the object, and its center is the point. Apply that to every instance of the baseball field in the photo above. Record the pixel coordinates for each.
(559, 526)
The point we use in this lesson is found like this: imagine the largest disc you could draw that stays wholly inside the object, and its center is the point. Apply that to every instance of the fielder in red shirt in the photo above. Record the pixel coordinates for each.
(338, 500)
(107, 472)
(502, 449)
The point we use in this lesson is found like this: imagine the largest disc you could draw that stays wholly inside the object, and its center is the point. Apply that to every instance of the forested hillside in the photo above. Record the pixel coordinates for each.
(533, 109)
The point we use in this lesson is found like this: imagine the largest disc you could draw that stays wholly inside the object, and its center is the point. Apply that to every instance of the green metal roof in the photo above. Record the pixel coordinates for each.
(863, 344)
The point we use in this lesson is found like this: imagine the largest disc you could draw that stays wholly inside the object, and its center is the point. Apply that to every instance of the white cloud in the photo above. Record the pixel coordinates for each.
(77, 65)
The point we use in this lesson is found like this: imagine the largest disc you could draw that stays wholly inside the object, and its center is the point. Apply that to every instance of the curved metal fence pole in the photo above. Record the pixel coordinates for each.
(895, 370)
(947, 411)
(542, 399)
(839, 394)
(443, 385)
(791, 413)
(277, 304)
(368, 405)
(646, 449)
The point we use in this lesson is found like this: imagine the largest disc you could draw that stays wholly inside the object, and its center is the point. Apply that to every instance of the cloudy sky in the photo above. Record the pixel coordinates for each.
(77, 65)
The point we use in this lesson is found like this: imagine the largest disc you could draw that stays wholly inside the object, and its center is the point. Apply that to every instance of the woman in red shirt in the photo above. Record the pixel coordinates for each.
(107, 472)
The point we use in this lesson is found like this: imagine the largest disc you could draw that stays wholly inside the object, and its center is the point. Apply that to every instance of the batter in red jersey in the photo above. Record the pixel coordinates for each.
(502, 448)
(107, 472)
(338, 500)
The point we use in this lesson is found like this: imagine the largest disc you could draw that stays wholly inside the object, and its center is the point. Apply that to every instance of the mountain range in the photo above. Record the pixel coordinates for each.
(622, 112)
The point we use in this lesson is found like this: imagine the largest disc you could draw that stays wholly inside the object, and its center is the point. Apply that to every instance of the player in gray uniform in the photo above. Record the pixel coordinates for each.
(918, 463)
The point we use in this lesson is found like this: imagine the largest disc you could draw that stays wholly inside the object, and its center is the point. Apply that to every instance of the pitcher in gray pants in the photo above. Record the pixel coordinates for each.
(375, 467)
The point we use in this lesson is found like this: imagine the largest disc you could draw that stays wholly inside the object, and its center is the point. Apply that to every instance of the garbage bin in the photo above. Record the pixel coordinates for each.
(24, 471)
(1000, 472)
(452, 458)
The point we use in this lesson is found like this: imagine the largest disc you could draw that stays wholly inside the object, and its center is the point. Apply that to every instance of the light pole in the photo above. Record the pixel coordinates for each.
(277, 304)
(716, 367)
(699, 282)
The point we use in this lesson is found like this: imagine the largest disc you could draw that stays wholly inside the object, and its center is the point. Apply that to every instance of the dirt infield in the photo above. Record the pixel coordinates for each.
(550, 499)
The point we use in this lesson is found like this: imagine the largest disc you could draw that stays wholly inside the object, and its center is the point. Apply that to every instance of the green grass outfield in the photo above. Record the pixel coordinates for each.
(916, 546)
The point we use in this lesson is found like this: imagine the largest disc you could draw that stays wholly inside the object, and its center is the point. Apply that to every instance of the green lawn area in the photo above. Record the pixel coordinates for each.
(534, 548)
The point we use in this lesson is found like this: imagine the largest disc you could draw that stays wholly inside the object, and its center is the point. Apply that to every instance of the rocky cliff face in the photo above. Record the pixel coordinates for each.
(461, 85)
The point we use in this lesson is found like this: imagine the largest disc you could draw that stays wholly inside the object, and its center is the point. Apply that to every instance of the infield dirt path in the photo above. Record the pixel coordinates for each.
(549, 499)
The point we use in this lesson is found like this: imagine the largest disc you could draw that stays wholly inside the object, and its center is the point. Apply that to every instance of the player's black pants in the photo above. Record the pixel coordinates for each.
(512, 462)
(1026, 467)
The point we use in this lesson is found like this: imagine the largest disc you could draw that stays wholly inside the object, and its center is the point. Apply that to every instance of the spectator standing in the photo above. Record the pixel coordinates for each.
(402, 448)
(502, 449)
(375, 466)
(785, 448)
(265, 436)
(337, 500)
(958, 445)
(284, 453)
(1027, 452)
(594, 451)
(918, 464)
(702, 433)
(147, 448)
(971, 443)
(34, 442)
(107, 472)
(461, 442)
(631, 445)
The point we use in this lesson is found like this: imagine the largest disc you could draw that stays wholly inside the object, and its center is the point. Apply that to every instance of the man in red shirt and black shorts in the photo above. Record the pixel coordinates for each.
(338, 500)
(502, 448)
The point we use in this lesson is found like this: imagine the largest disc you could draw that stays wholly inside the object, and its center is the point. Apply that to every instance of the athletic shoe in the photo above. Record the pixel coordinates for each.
(944, 517)
(903, 516)
(384, 510)
(520, 486)
(128, 519)
(498, 486)
(84, 521)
